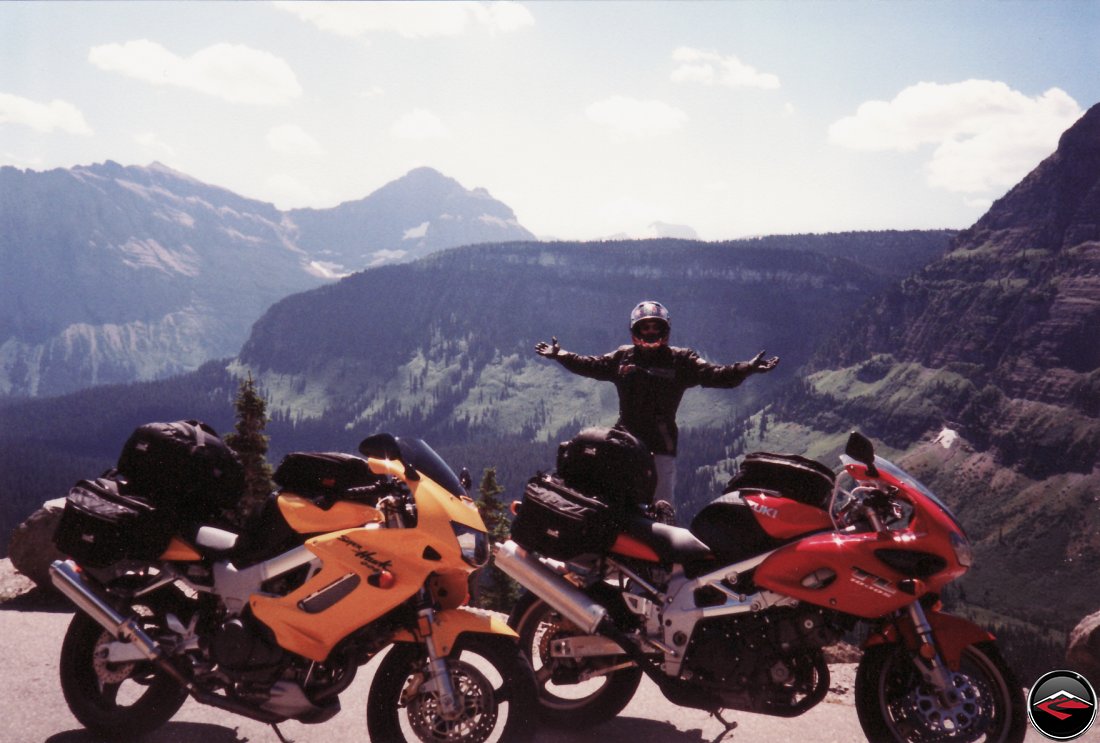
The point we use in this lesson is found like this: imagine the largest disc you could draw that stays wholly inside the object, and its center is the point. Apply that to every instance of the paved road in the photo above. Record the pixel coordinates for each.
(34, 711)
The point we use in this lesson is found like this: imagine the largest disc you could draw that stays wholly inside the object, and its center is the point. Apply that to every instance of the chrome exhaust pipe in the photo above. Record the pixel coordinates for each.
(540, 580)
(67, 578)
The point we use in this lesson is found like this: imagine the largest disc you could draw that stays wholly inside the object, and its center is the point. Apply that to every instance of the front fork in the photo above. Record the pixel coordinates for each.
(439, 675)
(928, 659)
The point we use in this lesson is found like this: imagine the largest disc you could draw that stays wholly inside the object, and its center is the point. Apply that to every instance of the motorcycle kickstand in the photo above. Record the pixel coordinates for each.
(279, 734)
(729, 725)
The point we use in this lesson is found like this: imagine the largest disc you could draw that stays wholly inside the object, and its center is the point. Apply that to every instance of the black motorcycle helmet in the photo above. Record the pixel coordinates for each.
(650, 324)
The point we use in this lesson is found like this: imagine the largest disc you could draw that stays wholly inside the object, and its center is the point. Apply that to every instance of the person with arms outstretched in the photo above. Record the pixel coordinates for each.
(651, 377)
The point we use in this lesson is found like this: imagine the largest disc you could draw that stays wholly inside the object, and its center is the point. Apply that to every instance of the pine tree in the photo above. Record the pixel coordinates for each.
(496, 590)
(250, 443)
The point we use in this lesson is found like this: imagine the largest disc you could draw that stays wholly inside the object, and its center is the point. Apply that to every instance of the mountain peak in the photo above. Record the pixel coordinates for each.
(1058, 202)
(426, 172)
(422, 183)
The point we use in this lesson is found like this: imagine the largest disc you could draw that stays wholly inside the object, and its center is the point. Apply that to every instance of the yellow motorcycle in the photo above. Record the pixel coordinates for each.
(370, 553)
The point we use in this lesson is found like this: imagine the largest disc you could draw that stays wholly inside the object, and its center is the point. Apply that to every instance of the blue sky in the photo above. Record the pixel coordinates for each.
(589, 119)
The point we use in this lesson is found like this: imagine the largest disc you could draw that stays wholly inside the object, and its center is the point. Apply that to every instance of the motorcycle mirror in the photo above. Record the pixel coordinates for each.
(860, 448)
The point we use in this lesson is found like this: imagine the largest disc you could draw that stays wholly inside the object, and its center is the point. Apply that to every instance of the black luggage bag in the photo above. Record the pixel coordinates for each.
(801, 479)
(101, 525)
(324, 475)
(183, 467)
(557, 521)
(610, 464)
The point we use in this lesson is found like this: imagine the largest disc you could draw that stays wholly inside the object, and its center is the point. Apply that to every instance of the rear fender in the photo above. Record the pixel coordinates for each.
(450, 623)
(953, 635)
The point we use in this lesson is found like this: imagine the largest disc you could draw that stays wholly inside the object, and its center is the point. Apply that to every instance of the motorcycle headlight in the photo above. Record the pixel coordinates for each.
(474, 544)
(963, 553)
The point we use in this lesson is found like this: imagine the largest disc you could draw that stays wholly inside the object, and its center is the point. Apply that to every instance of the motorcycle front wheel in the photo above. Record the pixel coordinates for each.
(113, 700)
(895, 703)
(490, 676)
(571, 693)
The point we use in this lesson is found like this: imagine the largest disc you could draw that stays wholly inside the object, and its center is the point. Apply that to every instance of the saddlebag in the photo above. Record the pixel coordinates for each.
(101, 525)
(609, 464)
(790, 475)
(557, 521)
(182, 467)
(324, 475)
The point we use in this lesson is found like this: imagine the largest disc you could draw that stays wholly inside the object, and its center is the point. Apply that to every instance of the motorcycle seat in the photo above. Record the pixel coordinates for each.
(673, 544)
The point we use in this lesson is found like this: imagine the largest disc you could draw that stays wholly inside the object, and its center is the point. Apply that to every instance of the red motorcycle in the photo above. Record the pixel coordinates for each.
(734, 613)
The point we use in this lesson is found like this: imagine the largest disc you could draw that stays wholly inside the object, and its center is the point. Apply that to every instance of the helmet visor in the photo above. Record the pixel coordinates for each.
(650, 331)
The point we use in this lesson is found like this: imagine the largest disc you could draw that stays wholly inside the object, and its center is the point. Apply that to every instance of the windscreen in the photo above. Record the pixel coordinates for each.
(904, 478)
(421, 456)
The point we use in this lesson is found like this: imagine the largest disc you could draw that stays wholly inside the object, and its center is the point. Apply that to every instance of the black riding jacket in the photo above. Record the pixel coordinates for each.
(651, 382)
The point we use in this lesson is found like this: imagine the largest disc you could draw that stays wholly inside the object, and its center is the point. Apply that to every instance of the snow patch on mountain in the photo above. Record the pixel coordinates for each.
(149, 253)
(414, 233)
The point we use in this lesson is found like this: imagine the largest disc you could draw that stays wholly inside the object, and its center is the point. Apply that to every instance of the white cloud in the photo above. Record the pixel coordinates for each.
(379, 257)
(233, 72)
(986, 134)
(639, 119)
(711, 68)
(18, 161)
(412, 20)
(158, 148)
(291, 139)
(288, 192)
(419, 124)
(43, 117)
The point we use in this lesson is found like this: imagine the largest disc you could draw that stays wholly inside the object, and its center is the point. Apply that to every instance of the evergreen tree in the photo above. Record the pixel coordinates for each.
(250, 443)
(495, 589)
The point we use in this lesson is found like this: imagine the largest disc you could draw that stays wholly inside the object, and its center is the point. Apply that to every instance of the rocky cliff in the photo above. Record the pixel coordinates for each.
(984, 370)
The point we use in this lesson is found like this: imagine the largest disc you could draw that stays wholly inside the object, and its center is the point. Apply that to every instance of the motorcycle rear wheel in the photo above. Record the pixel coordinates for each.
(114, 701)
(564, 703)
(894, 702)
(489, 674)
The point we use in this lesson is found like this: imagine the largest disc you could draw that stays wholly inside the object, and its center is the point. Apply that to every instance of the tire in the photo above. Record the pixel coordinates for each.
(114, 701)
(489, 672)
(563, 700)
(895, 704)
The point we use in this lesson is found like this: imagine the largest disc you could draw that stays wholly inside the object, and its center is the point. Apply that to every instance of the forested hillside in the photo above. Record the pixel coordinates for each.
(442, 348)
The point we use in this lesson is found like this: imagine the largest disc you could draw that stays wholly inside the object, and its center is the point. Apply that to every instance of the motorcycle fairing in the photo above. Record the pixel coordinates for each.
(386, 566)
(953, 635)
(862, 584)
(460, 510)
(451, 623)
(785, 518)
(305, 517)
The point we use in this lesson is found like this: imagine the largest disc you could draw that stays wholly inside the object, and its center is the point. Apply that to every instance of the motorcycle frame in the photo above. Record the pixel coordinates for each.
(676, 623)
